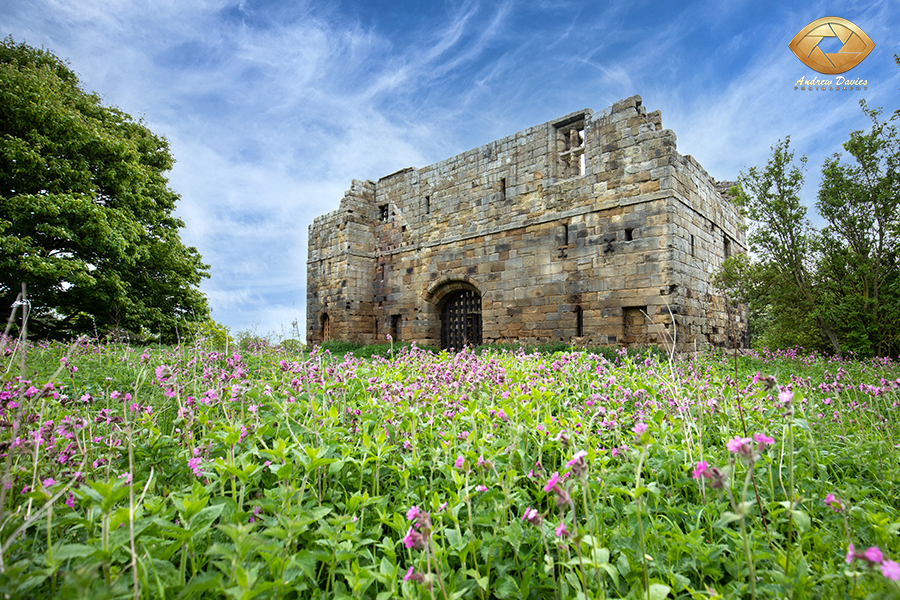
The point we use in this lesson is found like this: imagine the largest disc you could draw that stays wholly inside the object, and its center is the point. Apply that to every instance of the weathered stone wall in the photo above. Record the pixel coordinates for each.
(592, 213)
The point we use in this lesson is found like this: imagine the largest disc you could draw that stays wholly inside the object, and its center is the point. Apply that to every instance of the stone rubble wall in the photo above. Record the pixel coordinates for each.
(539, 232)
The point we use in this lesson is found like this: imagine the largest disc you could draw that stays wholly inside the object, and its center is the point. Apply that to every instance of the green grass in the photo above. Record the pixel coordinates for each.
(271, 473)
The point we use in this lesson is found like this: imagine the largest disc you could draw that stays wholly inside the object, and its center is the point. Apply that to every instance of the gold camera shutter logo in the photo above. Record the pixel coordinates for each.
(857, 45)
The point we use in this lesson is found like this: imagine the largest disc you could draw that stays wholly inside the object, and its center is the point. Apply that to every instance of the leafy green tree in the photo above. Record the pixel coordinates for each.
(783, 241)
(86, 214)
(858, 262)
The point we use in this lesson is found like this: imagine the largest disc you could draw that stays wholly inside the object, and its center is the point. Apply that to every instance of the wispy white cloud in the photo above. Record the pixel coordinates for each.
(271, 109)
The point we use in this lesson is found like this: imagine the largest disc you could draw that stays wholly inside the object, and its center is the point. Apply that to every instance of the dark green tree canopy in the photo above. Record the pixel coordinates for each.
(838, 288)
(85, 209)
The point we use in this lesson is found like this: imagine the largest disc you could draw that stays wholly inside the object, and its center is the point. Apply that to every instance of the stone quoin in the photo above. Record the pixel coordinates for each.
(589, 229)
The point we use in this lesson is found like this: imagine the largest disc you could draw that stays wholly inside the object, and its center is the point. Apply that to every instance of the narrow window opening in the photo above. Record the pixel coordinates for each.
(570, 148)
(503, 188)
(395, 327)
(629, 234)
(579, 322)
(692, 245)
(727, 247)
(384, 212)
(427, 204)
(565, 234)
(376, 328)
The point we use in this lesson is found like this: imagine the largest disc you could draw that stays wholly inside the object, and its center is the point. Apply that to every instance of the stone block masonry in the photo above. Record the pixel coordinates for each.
(589, 229)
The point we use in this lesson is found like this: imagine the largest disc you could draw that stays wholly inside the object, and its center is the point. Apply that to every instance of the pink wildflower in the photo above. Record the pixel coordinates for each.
(701, 470)
(413, 513)
(413, 539)
(552, 482)
(891, 570)
(763, 440)
(851, 553)
(480, 488)
(460, 461)
(70, 501)
(532, 516)
(874, 555)
(785, 397)
(639, 429)
(833, 502)
(739, 445)
(578, 456)
(561, 530)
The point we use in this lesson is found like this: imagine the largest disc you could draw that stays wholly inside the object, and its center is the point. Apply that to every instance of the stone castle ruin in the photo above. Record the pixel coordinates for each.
(588, 229)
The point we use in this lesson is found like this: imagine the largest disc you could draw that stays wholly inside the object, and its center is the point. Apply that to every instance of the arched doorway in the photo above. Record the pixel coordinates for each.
(461, 320)
(326, 328)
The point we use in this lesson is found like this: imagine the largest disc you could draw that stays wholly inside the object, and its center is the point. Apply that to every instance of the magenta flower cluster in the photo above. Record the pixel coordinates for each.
(873, 557)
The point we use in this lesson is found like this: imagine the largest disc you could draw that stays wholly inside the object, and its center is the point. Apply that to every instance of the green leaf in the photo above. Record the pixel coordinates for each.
(202, 582)
(622, 565)
(205, 518)
(68, 551)
(659, 591)
(727, 518)
(167, 573)
(506, 588)
(454, 539)
(801, 519)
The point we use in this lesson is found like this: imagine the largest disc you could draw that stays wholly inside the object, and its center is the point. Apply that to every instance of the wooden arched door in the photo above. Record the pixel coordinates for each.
(461, 320)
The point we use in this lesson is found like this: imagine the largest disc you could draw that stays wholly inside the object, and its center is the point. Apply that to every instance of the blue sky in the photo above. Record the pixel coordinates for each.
(271, 107)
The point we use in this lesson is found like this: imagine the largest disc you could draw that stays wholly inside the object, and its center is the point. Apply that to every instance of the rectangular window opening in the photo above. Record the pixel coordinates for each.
(395, 327)
(579, 322)
(727, 247)
(570, 146)
(427, 204)
(692, 245)
(384, 212)
(629, 234)
(503, 188)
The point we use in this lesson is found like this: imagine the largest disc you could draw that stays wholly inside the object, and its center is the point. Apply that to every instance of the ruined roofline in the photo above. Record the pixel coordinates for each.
(366, 191)
(632, 102)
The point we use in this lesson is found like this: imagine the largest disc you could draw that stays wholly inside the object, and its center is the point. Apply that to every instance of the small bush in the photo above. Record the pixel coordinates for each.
(215, 335)
(340, 347)
(291, 345)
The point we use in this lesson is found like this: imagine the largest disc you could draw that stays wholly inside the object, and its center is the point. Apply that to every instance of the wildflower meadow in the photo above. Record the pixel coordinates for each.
(184, 472)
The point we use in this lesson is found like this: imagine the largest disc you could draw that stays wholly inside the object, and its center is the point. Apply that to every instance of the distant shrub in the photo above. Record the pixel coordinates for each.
(250, 341)
(291, 345)
(340, 347)
(215, 335)
(384, 350)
